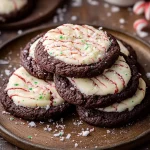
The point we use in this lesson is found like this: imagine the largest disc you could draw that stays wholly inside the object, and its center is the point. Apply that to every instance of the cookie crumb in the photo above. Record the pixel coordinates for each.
(76, 145)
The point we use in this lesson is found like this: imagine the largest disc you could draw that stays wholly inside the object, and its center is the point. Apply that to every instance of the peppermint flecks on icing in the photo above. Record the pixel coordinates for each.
(112, 81)
(28, 91)
(129, 103)
(8, 6)
(32, 48)
(75, 44)
(123, 49)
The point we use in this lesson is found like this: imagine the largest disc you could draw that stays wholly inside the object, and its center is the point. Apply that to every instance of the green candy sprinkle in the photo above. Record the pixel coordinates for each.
(11, 118)
(16, 84)
(82, 41)
(30, 88)
(87, 46)
(35, 82)
(29, 137)
(61, 37)
(41, 97)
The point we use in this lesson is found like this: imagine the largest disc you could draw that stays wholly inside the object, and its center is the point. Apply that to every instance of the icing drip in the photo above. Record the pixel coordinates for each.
(74, 44)
(28, 91)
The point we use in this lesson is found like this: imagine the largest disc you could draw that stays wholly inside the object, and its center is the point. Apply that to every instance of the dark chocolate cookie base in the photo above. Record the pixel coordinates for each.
(30, 64)
(36, 114)
(18, 14)
(56, 66)
(72, 95)
(115, 119)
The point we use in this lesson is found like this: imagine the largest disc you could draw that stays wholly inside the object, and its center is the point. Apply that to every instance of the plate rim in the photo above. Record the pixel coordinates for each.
(6, 134)
(33, 22)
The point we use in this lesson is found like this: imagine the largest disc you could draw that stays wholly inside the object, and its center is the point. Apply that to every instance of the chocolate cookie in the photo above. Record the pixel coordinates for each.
(114, 85)
(30, 98)
(13, 10)
(76, 51)
(29, 63)
(113, 118)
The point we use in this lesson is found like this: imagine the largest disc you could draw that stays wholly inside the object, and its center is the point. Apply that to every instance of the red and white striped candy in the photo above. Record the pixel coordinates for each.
(147, 10)
(140, 24)
(139, 7)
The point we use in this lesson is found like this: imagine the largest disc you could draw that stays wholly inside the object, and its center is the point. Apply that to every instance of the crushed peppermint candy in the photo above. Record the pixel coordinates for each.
(68, 136)
(7, 72)
(85, 133)
(20, 32)
(77, 122)
(106, 5)
(91, 130)
(72, 88)
(115, 9)
(108, 131)
(5, 112)
(47, 107)
(76, 145)
(55, 19)
(108, 14)
(93, 2)
(76, 3)
(148, 75)
(122, 21)
(61, 133)
(47, 128)
(3, 62)
(62, 138)
(32, 124)
(74, 18)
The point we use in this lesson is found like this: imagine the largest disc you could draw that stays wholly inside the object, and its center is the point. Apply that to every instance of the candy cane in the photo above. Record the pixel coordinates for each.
(147, 10)
(140, 24)
(139, 7)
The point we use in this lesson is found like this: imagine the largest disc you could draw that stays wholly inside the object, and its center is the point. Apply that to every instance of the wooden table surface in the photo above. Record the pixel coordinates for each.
(72, 11)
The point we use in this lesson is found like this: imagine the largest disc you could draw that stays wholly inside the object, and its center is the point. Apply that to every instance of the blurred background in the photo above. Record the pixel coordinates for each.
(129, 16)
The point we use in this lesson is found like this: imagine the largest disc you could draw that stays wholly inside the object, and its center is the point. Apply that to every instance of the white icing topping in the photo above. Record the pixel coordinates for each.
(129, 103)
(123, 49)
(32, 48)
(28, 91)
(112, 81)
(75, 44)
(8, 6)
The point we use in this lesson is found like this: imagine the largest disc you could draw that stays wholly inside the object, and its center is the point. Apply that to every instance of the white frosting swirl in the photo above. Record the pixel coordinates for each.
(32, 48)
(123, 49)
(75, 44)
(8, 6)
(112, 81)
(129, 103)
(28, 91)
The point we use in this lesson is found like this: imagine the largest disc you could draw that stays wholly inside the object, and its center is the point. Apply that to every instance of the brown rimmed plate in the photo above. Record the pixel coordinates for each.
(42, 11)
(17, 131)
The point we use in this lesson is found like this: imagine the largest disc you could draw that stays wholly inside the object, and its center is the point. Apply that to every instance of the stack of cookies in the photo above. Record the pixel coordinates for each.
(78, 65)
